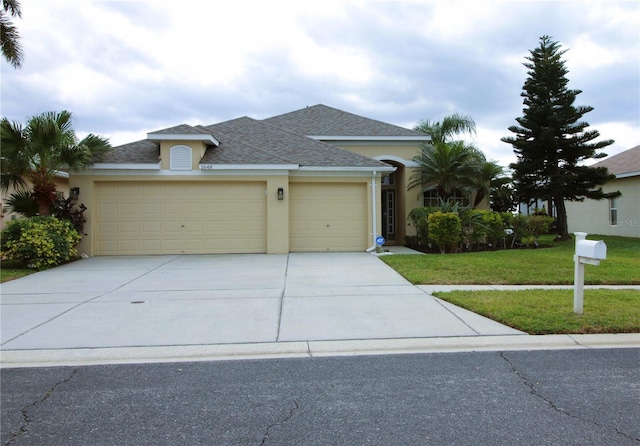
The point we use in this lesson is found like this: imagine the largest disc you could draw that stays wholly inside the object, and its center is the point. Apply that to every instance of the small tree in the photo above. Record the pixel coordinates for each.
(42, 148)
(551, 141)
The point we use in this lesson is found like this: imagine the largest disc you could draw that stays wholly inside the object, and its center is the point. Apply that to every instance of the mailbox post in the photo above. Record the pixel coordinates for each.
(587, 251)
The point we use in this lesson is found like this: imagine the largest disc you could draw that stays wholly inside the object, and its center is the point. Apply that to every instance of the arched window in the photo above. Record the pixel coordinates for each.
(180, 158)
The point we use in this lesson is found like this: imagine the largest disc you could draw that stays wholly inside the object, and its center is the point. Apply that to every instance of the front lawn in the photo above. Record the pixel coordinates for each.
(540, 312)
(10, 274)
(543, 266)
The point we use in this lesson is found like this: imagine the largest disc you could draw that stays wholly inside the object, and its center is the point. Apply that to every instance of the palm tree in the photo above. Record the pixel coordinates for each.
(45, 146)
(448, 128)
(485, 181)
(446, 167)
(447, 164)
(11, 49)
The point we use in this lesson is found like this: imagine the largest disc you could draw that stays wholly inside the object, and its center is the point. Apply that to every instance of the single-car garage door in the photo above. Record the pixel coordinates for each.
(328, 217)
(180, 218)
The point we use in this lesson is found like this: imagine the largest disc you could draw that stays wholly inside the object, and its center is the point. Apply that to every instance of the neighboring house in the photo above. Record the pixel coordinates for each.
(316, 179)
(62, 186)
(613, 216)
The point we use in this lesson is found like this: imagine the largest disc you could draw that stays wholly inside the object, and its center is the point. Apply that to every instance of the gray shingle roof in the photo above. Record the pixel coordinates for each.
(321, 120)
(142, 152)
(624, 162)
(249, 141)
(182, 129)
(277, 140)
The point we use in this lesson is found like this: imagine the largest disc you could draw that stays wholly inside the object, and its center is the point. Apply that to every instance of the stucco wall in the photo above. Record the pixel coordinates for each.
(399, 155)
(593, 217)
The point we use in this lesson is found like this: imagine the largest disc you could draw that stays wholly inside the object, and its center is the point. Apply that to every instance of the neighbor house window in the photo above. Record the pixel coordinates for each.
(431, 198)
(180, 158)
(613, 211)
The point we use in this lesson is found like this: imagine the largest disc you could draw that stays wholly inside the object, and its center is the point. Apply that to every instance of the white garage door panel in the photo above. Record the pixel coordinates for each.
(328, 217)
(176, 218)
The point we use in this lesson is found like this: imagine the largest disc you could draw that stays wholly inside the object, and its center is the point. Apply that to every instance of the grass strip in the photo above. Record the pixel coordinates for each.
(539, 311)
(10, 274)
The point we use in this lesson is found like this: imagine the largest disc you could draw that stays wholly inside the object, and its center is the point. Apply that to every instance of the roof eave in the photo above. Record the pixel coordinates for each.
(182, 137)
(628, 174)
(125, 166)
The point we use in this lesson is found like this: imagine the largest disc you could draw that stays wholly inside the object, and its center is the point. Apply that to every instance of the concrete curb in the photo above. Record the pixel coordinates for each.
(309, 349)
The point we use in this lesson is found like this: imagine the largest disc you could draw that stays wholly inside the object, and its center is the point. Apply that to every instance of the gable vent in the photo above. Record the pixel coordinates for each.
(180, 158)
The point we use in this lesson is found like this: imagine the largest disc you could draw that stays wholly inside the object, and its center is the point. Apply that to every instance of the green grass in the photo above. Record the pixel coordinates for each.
(543, 266)
(10, 274)
(551, 311)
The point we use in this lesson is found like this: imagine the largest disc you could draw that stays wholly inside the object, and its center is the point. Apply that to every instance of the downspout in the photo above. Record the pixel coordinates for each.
(374, 212)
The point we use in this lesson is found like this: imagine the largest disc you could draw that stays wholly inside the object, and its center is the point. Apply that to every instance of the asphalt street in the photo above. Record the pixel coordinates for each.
(555, 397)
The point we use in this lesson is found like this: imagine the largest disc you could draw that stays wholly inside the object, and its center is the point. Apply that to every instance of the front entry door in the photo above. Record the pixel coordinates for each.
(389, 214)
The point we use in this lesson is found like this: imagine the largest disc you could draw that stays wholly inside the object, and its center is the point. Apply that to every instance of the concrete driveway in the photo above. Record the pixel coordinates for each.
(177, 300)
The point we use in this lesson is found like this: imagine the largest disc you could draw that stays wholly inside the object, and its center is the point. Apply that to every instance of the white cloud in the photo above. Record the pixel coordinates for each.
(129, 67)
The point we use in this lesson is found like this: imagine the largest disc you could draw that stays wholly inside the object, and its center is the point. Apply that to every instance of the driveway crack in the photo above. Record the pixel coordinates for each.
(26, 419)
(534, 392)
(281, 303)
(279, 423)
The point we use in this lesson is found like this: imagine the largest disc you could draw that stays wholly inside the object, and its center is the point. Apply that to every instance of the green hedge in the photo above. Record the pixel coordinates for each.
(39, 242)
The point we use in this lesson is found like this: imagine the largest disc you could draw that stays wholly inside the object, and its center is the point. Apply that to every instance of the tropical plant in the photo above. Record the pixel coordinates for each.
(68, 209)
(9, 37)
(445, 130)
(502, 196)
(551, 142)
(488, 173)
(22, 202)
(448, 164)
(446, 167)
(46, 145)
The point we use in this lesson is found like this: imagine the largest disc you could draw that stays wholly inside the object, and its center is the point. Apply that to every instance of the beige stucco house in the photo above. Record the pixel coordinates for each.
(316, 179)
(613, 216)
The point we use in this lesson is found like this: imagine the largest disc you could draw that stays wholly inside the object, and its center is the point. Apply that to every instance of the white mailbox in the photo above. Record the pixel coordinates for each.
(591, 249)
(590, 252)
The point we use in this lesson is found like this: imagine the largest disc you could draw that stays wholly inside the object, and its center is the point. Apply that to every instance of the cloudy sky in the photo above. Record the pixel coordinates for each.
(126, 68)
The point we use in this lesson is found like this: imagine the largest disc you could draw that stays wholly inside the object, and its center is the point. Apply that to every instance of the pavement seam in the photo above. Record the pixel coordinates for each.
(452, 313)
(281, 303)
(26, 419)
(534, 392)
(578, 343)
(86, 302)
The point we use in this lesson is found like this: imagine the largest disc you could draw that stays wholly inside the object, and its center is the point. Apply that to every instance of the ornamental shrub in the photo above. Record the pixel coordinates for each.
(494, 225)
(39, 242)
(418, 219)
(539, 224)
(445, 229)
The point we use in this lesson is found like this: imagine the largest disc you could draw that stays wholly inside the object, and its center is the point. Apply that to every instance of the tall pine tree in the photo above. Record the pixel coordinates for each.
(551, 141)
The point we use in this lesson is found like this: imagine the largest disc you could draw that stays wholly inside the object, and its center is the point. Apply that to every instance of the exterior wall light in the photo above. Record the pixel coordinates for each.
(74, 193)
(280, 194)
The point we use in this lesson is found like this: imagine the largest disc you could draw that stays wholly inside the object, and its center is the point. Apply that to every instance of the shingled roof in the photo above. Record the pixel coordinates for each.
(140, 152)
(623, 163)
(282, 139)
(182, 129)
(249, 141)
(321, 120)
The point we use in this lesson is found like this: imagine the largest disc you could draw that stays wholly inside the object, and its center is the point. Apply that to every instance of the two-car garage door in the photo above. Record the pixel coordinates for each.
(183, 217)
(225, 217)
